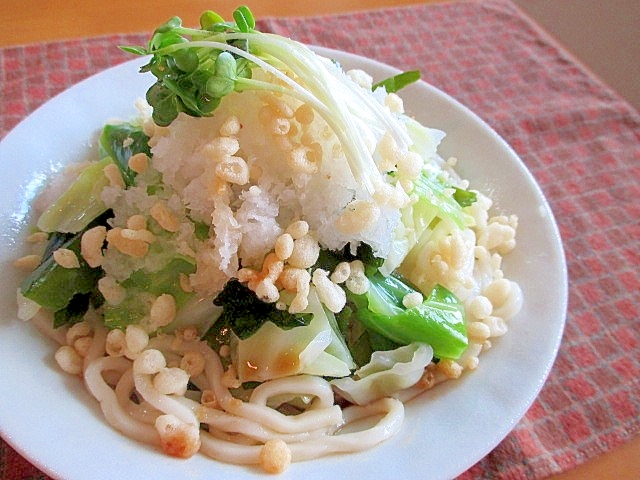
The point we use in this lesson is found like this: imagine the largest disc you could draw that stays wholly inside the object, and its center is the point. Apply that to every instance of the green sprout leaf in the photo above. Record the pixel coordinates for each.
(210, 19)
(398, 82)
(134, 49)
(223, 81)
(244, 19)
(169, 25)
(464, 197)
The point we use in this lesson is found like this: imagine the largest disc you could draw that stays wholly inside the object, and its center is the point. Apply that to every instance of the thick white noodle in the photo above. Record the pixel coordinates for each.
(97, 348)
(225, 422)
(270, 418)
(113, 412)
(143, 411)
(165, 403)
(387, 426)
(300, 384)
(358, 441)
(229, 452)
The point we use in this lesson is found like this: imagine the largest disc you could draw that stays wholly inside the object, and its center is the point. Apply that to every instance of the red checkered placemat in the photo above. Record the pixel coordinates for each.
(579, 139)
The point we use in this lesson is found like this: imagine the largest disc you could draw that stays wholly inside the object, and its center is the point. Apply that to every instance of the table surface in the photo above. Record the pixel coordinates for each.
(32, 21)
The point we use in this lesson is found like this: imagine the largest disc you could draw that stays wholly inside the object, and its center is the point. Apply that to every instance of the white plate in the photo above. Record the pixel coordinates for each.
(51, 420)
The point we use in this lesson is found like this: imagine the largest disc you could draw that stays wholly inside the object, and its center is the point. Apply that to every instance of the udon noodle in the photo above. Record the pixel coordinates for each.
(214, 421)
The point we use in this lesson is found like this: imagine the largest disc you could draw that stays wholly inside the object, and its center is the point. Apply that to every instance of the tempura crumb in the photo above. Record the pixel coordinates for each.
(275, 456)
